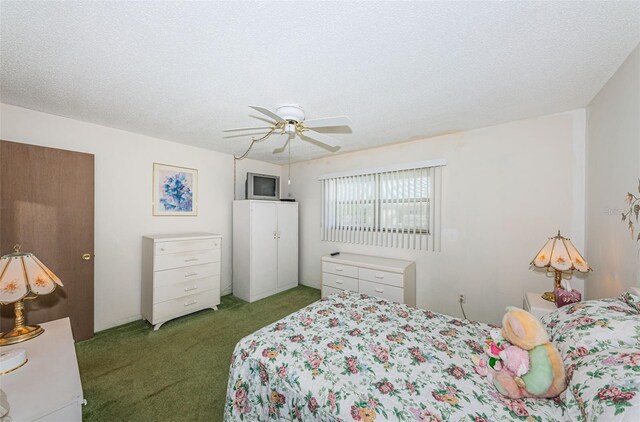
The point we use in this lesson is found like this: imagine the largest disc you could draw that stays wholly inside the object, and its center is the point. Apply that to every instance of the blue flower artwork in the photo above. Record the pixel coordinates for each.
(174, 190)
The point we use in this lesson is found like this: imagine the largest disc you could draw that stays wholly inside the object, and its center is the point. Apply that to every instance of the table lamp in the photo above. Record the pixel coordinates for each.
(559, 255)
(23, 277)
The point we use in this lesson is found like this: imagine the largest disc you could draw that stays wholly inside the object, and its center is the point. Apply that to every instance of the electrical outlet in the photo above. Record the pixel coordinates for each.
(462, 298)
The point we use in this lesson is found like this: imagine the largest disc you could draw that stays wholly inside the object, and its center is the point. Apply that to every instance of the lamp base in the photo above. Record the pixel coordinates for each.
(550, 296)
(19, 334)
(10, 361)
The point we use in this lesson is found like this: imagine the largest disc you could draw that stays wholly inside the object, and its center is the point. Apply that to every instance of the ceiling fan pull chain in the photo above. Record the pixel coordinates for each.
(289, 166)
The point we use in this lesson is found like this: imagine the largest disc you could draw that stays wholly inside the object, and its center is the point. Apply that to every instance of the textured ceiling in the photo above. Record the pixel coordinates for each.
(183, 71)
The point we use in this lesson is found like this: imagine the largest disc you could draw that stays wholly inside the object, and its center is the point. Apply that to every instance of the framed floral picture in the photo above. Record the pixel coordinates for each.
(175, 190)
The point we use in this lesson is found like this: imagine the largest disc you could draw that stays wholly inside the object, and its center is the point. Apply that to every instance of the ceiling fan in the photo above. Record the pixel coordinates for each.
(290, 119)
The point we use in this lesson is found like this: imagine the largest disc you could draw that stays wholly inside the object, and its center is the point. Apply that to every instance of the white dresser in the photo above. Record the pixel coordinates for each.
(47, 387)
(180, 275)
(391, 279)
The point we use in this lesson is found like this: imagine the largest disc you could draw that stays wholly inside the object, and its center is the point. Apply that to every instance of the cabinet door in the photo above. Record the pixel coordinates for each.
(287, 244)
(264, 247)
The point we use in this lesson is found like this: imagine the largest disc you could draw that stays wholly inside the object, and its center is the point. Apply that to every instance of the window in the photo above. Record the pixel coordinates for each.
(385, 207)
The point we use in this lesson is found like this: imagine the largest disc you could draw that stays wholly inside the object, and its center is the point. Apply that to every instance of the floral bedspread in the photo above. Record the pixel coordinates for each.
(600, 343)
(354, 357)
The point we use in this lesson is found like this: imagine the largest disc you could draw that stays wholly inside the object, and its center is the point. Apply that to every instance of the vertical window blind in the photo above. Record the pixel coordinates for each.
(391, 207)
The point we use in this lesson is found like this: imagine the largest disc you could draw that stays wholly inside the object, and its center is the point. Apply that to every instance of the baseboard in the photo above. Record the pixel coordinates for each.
(119, 322)
(226, 291)
(311, 284)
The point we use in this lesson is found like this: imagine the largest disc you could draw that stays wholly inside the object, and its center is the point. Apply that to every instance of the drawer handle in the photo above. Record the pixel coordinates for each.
(379, 275)
(190, 259)
(193, 302)
(188, 289)
(190, 274)
(339, 268)
(379, 290)
(339, 281)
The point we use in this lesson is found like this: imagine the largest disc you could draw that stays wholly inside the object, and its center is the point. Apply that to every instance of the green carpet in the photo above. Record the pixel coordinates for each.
(179, 372)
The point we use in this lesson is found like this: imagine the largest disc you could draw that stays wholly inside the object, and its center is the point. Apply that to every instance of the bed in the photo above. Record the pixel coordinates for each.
(355, 357)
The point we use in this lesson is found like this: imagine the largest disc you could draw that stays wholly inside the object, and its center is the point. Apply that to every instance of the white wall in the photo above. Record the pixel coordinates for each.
(505, 190)
(613, 168)
(123, 180)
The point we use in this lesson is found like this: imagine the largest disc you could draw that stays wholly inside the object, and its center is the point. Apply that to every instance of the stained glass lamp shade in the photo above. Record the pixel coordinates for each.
(23, 277)
(560, 256)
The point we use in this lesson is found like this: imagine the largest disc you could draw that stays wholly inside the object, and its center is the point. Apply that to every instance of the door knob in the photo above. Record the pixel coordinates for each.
(86, 256)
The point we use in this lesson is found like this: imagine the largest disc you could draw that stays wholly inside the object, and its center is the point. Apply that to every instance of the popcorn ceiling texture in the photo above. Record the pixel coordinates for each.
(183, 71)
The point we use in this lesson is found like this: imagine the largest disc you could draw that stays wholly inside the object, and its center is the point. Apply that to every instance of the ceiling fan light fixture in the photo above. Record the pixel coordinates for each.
(290, 128)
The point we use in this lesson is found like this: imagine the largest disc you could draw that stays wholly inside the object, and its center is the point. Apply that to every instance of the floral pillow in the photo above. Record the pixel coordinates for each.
(596, 325)
(631, 300)
(599, 342)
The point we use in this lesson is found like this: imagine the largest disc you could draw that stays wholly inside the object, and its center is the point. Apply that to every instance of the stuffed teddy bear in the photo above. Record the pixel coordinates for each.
(493, 346)
(515, 361)
(530, 366)
(546, 375)
(498, 353)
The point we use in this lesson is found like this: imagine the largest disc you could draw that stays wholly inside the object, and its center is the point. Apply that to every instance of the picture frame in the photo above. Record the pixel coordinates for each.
(175, 190)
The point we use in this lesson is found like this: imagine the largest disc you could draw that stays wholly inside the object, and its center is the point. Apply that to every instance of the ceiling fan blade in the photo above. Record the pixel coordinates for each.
(282, 148)
(322, 138)
(247, 128)
(264, 119)
(328, 122)
(267, 112)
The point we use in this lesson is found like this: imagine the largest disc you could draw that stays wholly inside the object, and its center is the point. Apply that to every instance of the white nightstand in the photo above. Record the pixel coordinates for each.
(47, 387)
(534, 303)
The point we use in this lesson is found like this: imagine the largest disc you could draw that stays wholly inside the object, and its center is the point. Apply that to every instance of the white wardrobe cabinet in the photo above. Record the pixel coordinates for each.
(265, 248)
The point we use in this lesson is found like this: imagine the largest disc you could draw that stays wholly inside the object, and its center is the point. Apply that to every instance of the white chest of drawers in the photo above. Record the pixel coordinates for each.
(180, 275)
(391, 279)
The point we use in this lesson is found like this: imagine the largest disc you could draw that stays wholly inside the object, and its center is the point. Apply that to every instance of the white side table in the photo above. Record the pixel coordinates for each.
(536, 305)
(48, 387)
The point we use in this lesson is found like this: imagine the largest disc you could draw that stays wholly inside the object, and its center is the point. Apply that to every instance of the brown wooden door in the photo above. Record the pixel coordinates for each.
(46, 206)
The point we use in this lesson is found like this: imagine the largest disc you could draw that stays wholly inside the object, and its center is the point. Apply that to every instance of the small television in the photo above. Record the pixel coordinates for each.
(262, 186)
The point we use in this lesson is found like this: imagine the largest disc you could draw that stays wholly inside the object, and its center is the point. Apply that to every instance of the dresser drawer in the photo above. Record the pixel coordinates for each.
(185, 305)
(384, 277)
(339, 269)
(326, 291)
(186, 288)
(163, 248)
(394, 294)
(185, 259)
(179, 275)
(340, 282)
